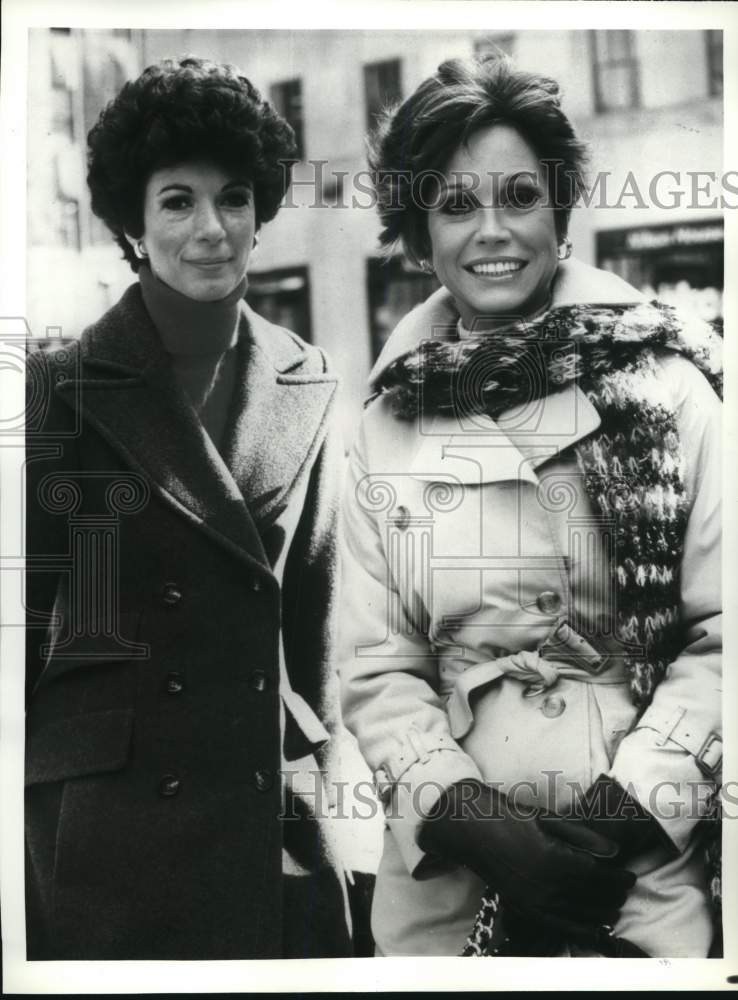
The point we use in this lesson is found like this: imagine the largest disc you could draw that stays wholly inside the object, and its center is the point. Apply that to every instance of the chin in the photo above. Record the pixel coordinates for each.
(211, 291)
(498, 311)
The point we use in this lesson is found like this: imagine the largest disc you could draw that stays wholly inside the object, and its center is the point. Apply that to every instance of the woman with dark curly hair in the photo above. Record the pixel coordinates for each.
(182, 482)
(530, 655)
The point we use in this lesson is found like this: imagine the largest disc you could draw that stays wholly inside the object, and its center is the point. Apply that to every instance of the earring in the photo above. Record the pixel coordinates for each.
(425, 266)
(255, 244)
(139, 249)
(565, 249)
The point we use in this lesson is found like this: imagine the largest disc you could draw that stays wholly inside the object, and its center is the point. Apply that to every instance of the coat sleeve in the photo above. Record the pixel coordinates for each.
(671, 760)
(389, 675)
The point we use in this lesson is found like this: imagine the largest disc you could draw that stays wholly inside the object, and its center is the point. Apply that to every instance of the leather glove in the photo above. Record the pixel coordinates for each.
(560, 874)
(537, 939)
(608, 809)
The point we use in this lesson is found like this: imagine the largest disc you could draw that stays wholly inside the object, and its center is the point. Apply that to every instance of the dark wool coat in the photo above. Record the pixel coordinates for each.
(153, 804)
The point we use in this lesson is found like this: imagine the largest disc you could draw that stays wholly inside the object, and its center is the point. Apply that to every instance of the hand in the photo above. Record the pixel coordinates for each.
(539, 938)
(608, 809)
(560, 874)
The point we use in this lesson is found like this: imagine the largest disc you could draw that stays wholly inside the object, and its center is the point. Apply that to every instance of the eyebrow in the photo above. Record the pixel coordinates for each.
(528, 175)
(188, 189)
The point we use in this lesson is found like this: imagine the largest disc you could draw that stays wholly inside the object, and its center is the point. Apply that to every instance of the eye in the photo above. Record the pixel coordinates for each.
(176, 202)
(522, 193)
(459, 202)
(236, 198)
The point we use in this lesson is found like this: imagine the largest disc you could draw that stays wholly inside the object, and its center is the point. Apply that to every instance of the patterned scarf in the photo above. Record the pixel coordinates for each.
(632, 466)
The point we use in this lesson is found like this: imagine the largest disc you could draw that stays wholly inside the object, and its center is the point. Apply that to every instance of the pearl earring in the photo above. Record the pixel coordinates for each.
(565, 249)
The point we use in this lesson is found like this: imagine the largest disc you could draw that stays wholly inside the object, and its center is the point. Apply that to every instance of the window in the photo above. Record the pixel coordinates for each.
(283, 297)
(287, 99)
(382, 87)
(714, 62)
(615, 70)
(395, 287)
(493, 45)
(107, 60)
(680, 264)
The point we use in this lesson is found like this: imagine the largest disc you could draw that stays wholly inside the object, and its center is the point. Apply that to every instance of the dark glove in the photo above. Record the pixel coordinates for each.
(531, 938)
(561, 874)
(608, 809)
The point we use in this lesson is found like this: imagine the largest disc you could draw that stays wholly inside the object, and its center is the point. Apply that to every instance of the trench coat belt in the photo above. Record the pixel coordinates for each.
(535, 668)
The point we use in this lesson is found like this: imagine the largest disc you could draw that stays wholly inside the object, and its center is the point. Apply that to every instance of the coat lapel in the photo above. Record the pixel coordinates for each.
(511, 447)
(278, 417)
(130, 394)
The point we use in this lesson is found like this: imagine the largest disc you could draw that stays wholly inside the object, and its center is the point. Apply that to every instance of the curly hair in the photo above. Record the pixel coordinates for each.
(414, 141)
(178, 111)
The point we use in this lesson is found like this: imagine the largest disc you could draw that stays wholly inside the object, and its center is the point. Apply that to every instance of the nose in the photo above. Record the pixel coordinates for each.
(491, 226)
(208, 225)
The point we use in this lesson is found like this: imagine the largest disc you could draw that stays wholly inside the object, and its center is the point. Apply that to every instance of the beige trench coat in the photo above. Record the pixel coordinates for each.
(467, 551)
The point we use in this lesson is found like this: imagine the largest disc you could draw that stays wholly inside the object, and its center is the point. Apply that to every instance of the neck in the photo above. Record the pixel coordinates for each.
(503, 326)
(188, 327)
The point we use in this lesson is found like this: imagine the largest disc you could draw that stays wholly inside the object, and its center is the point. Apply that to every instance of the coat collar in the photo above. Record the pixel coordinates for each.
(478, 449)
(280, 411)
(575, 283)
(482, 450)
(129, 393)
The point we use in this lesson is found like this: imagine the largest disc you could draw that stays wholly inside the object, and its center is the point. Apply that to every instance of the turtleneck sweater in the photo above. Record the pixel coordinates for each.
(201, 341)
(464, 333)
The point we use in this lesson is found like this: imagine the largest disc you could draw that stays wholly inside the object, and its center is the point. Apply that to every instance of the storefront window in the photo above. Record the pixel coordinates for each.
(395, 287)
(282, 297)
(681, 264)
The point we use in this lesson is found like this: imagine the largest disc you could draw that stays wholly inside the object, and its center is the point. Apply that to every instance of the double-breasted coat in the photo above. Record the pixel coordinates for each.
(471, 548)
(170, 678)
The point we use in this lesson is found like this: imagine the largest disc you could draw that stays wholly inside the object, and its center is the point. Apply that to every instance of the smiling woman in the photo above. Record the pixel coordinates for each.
(494, 241)
(178, 669)
(530, 648)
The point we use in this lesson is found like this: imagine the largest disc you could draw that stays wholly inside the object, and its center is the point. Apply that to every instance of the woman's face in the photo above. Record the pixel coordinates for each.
(199, 228)
(492, 232)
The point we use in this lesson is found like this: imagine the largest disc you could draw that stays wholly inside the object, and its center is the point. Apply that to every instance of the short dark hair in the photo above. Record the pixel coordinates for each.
(420, 136)
(178, 111)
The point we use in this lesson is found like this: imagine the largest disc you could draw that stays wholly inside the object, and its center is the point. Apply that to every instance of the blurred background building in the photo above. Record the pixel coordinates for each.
(649, 102)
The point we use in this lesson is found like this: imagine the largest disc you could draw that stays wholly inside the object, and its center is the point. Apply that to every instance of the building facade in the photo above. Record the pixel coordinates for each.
(650, 103)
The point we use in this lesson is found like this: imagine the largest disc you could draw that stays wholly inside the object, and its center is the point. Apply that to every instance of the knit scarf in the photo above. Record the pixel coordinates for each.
(632, 467)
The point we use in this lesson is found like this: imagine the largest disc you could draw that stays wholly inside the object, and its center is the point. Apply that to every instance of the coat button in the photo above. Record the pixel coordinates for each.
(169, 785)
(263, 780)
(548, 601)
(553, 706)
(258, 680)
(256, 584)
(174, 683)
(171, 594)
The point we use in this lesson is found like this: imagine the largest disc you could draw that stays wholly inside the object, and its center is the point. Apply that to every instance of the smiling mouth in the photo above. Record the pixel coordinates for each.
(210, 263)
(496, 268)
